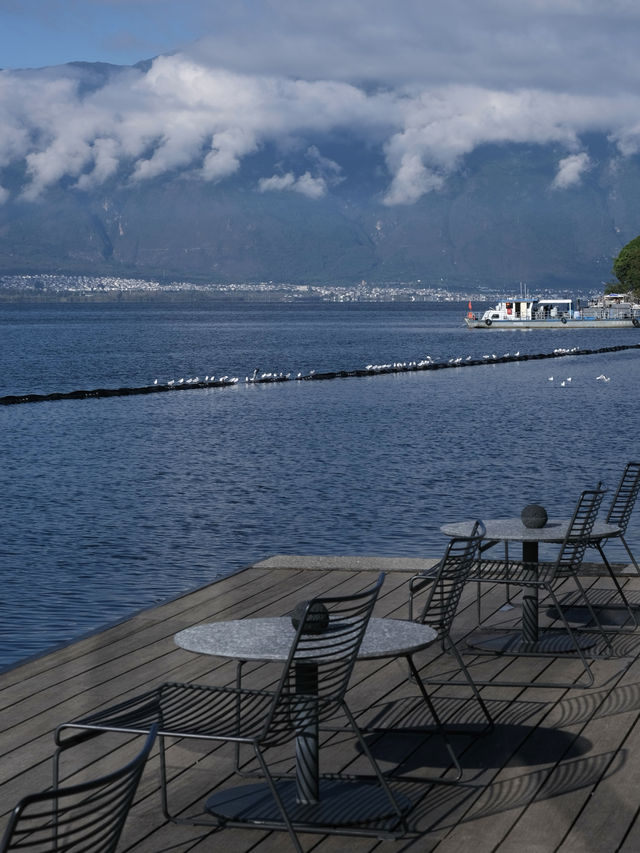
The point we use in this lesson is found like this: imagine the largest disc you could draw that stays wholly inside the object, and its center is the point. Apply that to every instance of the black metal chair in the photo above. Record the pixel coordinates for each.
(443, 585)
(620, 511)
(312, 686)
(84, 818)
(619, 514)
(547, 576)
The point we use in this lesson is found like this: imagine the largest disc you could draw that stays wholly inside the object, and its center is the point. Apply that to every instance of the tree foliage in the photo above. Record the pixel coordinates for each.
(626, 268)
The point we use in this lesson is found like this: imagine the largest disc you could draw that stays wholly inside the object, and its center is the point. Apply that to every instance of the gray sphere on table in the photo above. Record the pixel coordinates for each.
(534, 516)
(317, 619)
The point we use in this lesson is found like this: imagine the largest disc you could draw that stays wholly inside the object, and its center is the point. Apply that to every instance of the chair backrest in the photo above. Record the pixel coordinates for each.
(319, 666)
(625, 497)
(83, 818)
(448, 582)
(576, 540)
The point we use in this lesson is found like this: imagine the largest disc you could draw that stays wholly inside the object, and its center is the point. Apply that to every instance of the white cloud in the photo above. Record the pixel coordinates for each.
(411, 180)
(559, 45)
(627, 139)
(277, 183)
(182, 115)
(305, 184)
(571, 170)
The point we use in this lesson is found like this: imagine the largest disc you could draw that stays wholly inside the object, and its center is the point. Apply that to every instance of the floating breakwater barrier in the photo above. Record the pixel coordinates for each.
(267, 378)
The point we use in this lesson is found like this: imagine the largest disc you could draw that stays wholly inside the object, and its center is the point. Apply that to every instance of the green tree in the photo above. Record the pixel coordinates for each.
(626, 268)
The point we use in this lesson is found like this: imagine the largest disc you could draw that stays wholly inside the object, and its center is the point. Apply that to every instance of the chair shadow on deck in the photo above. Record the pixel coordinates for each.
(597, 705)
(442, 808)
(536, 737)
(517, 738)
(553, 762)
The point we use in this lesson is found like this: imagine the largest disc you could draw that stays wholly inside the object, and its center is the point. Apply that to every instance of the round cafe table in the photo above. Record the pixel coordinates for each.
(513, 530)
(307, 798)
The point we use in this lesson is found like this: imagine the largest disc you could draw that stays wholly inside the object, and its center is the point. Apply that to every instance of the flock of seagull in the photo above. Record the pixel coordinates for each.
(259, 376)
(568, 379)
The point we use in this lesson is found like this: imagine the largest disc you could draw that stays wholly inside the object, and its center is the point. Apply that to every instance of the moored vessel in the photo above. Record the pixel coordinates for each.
(526, 312)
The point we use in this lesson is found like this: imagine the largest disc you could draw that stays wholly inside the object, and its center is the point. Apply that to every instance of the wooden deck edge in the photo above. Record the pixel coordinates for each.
(319, 563)
(599, 570)
(290, 562)
(111, 624)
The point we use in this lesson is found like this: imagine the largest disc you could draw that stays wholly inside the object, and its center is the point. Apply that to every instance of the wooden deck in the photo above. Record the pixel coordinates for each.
(560, 771)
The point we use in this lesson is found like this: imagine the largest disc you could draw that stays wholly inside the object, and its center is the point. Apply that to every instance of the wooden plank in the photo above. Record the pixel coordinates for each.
(558, 772)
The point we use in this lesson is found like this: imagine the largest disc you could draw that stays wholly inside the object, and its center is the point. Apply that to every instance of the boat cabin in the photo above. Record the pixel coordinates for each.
(515, 309)
(529, 309)
(553, 308)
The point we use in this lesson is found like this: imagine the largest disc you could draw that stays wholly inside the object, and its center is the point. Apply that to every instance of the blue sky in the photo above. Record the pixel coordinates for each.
(427, 81)
(37, 33)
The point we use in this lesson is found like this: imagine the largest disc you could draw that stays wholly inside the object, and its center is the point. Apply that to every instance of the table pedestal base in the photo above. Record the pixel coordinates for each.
(512, 643)
(342, 803)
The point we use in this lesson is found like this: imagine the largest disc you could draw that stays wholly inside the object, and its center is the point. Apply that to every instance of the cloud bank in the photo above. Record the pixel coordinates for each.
(425, 83)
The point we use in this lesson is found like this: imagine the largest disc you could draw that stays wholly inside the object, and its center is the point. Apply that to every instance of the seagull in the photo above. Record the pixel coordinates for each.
(602, 376)
(551, 379)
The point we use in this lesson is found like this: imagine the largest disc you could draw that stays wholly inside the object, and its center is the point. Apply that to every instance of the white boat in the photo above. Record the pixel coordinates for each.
(525, 312)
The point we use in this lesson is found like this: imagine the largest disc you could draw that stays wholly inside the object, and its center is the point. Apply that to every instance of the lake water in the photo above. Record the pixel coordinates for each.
(111, 505)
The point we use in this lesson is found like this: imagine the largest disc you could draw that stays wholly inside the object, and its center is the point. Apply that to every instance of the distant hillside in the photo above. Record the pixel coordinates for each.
(495, 223)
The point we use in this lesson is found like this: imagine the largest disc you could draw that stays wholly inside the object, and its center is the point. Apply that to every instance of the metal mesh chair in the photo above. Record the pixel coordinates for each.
(619, 514)
(310, 690)
(620, 511)
(546, 576)
(443, 585)
(83, 818)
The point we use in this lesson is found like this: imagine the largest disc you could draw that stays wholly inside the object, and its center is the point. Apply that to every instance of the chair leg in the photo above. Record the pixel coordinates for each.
(238, 746)
(163, 780)
(164, 794)
(632, 615)
(585, 663)
(467, 682)
(276, 795)
(592, 613)
(471, 684)
(508, 587)
(439, 725)
(633, 559)
(374, 764)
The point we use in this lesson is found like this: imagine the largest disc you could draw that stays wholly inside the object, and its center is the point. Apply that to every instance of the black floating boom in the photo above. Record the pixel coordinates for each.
(14, 399)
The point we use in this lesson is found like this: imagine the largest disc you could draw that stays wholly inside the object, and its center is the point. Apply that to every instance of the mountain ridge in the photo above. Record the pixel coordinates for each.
(315, 210)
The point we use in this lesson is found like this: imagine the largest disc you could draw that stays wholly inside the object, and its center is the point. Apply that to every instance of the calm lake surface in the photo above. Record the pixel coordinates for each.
(111, 505)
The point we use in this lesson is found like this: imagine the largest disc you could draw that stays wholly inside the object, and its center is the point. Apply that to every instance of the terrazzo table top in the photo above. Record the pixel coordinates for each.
(270, 639)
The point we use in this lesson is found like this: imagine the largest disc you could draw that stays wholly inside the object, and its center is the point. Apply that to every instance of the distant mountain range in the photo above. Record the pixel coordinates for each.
(495, 223)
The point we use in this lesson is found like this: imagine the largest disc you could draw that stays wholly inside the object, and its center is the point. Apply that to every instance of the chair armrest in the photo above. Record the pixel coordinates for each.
(419, 582)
